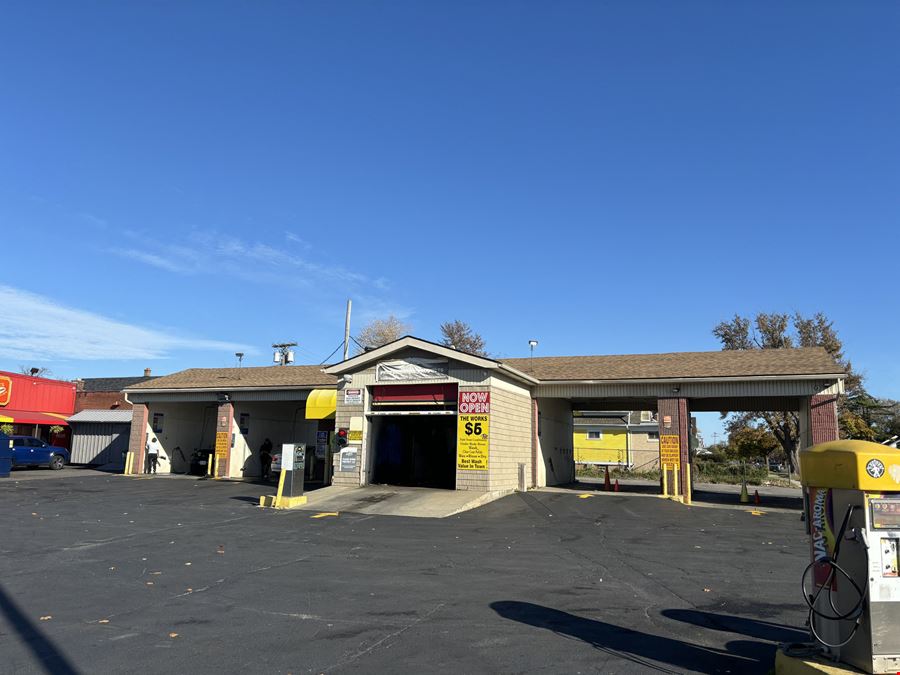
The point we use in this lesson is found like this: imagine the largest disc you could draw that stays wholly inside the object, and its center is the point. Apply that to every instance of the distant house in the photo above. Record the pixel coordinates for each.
(617, 438)
(105, 393)
(101, 424)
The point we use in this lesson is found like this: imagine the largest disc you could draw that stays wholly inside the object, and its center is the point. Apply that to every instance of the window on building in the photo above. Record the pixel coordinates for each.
(157, 424)
(653, 436)
(594, 435)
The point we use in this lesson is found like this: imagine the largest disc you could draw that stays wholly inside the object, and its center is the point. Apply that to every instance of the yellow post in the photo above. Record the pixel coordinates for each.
(665, 477)
(675, 480)
(687, 487)
(280, 488)
(129, 458)
(209, 465)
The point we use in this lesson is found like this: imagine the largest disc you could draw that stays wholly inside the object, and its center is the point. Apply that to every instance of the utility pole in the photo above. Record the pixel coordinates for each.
(347, 330)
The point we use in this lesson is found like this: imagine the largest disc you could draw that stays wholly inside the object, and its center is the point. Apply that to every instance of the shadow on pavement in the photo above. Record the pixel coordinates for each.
(779, 502)
(644, 649)
(699, 494)
(627, 488)
(50, 657)
(249, 500)
(755, 628)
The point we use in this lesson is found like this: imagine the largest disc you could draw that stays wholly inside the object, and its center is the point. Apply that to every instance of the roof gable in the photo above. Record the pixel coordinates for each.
(407, 342)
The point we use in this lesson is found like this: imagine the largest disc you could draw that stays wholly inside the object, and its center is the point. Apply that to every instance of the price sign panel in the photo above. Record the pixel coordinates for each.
(472, 441)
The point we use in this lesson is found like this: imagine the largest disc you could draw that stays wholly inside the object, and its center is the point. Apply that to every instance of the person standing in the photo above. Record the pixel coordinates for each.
(265, 459)
(152, 455)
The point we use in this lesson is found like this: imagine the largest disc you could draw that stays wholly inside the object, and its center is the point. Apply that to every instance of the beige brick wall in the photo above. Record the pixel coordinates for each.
(644, 451)
(510, 440)
(342, 417)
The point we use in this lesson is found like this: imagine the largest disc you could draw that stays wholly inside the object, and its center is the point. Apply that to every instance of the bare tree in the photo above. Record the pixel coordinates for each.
(459, 335)
(381, 331)
(35, 372)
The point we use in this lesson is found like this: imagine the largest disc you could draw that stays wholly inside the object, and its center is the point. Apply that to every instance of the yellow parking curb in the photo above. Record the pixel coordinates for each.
(795, 665)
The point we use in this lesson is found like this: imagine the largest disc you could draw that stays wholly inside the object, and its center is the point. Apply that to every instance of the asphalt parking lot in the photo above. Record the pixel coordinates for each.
(102, 574)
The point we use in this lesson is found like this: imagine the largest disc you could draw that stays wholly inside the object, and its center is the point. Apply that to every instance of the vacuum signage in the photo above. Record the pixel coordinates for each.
(473, 430)
(821, 521)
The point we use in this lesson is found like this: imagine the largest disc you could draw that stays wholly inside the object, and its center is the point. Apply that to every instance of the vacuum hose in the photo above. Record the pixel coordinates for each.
(834, 570)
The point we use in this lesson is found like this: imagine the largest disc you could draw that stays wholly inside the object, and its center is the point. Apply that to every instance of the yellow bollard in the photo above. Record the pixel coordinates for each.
(209, 465)
(129, 459)
(280, 488)
(687, 488)
(665, 477)
(675, 469)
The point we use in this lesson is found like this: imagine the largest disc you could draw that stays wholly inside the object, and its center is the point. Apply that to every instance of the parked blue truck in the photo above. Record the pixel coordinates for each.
(31, 451)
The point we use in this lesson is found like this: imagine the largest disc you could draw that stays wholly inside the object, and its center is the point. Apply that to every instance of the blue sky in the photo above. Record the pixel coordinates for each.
(180, 180)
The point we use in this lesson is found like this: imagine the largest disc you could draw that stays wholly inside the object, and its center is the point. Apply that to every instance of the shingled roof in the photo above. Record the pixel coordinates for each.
(269, 377)
(94, 384)
(681, 365)
(801, 362)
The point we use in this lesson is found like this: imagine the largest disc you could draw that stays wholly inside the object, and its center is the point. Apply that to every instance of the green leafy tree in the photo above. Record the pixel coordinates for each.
(459, 335)
(752, 442)
(783, 331)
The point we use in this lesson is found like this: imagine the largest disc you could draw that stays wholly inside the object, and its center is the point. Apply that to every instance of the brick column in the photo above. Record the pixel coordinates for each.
(675, 419)
(823, 420)
(137, 439)
(225, 425)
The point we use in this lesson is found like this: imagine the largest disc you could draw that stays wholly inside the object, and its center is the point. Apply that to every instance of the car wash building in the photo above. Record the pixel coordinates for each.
(421, 414)
(228, 413)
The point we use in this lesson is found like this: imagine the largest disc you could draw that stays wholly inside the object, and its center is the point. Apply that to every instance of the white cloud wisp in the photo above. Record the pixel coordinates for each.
(35, 327)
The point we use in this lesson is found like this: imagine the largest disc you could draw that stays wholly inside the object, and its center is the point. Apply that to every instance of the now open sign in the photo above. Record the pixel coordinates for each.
(477, 402)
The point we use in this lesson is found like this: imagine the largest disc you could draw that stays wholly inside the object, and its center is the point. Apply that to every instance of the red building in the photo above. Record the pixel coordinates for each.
(36, 406)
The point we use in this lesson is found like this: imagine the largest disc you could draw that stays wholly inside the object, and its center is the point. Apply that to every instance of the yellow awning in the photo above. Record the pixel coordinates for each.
(321, 404)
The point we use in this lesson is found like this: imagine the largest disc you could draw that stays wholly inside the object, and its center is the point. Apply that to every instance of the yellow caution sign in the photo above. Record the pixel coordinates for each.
(669, 449)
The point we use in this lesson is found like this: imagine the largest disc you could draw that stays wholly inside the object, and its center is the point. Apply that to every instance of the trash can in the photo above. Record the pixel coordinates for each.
(5, 455)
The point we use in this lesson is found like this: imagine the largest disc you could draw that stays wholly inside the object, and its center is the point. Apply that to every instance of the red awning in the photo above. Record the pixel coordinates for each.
(31, 417)
(415, 393)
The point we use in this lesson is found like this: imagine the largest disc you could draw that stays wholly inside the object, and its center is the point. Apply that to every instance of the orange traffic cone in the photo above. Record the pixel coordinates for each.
(616, 487)
(756, 496)
(606, 485)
